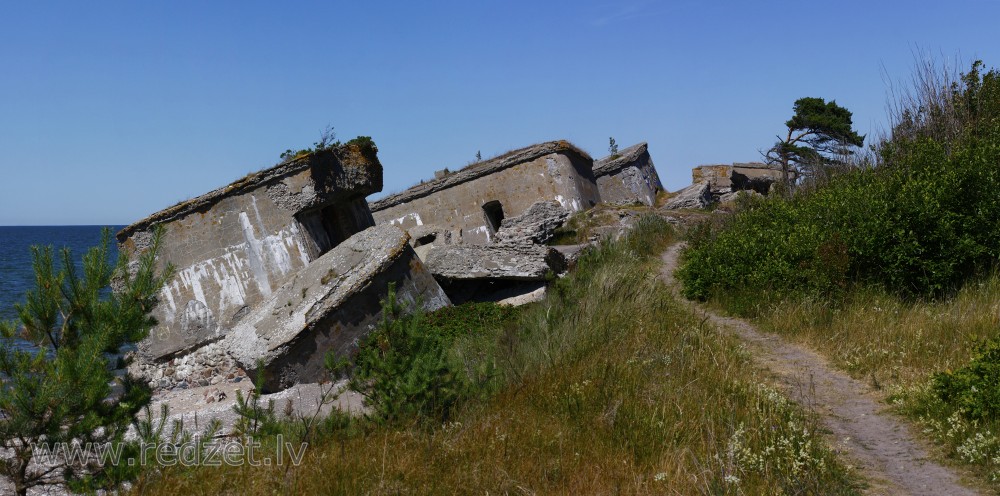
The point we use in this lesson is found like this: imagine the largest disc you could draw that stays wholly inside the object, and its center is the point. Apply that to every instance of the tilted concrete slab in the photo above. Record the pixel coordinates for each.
(329, 306)
(698, 195)
(629, 177)
(235, 246)
(509, 261)
(536, 225)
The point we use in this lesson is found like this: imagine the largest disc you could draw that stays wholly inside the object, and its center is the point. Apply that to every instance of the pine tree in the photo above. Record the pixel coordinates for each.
(820, 135)
(66, 391)
(404, 370)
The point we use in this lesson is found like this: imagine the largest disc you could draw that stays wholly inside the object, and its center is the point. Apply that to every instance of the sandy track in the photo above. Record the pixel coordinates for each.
(877, 442)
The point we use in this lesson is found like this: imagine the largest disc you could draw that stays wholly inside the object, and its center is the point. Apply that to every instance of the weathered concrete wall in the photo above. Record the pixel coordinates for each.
(330, 305)
(233, 247)
(720, 177)
(628, 178)
(549, 171)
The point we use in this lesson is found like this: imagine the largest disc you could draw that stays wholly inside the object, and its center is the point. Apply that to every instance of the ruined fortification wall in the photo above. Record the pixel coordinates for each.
(330, 306)
(233, 247)
(628, 178)
(549, 171)
(720, 177)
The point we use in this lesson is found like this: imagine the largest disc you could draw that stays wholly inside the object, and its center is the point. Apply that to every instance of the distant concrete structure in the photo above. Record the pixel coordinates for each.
(468, 206)
(724, 178)
(628, 177)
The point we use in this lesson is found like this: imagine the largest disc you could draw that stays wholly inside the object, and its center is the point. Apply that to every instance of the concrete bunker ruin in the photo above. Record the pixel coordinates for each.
(628, 177)
(471, 204)
(739, 176)
(722, 182)
(236, 250)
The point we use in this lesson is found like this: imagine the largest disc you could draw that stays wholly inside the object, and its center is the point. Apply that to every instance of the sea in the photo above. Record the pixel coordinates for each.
(16, 273)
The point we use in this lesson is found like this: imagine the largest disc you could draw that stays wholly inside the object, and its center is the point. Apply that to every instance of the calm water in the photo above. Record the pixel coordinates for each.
(16, 274)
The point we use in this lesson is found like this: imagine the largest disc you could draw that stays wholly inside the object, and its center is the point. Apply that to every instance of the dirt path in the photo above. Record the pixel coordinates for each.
(879, 444)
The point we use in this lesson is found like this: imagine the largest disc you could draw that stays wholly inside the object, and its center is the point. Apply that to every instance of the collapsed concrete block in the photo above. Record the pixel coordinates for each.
(234, 247)
(697, 195)
(510, 261)
(538, 224)
(474, 201)
(628, 177)
(330, 305)
(494, 272)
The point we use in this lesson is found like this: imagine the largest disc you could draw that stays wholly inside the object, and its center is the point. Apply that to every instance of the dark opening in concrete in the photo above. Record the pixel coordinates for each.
(425, 240)
(493, 211)
(325, 226)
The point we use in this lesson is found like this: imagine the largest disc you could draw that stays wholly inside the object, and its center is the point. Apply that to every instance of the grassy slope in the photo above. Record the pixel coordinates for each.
(610, 387)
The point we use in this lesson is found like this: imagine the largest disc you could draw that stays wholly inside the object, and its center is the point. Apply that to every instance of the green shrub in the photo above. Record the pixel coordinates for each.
(918, 225)
(254, 418)
(406, 368)
(974, 389)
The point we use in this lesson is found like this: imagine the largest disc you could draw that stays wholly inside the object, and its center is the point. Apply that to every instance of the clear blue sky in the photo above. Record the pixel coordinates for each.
(113, 110)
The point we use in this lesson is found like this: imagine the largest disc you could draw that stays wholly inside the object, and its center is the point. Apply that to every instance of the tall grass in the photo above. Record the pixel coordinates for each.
(607, 386)
(898, 347)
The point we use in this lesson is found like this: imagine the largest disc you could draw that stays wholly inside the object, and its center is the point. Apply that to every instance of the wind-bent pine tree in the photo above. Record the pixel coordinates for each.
(820, 134)
(62, 391)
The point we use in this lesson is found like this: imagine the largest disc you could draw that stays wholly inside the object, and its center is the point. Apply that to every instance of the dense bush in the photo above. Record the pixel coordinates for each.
(407, 367)
(975, 388)
(919, 224)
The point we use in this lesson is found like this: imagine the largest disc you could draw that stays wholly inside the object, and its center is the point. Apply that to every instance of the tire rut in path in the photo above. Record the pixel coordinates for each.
(877, 442)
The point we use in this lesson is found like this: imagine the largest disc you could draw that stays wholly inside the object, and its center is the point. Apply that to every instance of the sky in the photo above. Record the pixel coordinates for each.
(110, 111)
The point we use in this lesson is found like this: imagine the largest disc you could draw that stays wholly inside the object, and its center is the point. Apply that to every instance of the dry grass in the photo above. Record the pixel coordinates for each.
(889, 342)
(613, 387)
(897, 347)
